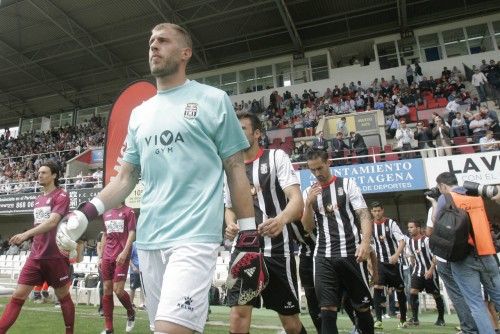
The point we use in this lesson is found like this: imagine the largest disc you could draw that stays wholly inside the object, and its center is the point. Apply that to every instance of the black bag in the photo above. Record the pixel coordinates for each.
(451, 233)
(91, 280)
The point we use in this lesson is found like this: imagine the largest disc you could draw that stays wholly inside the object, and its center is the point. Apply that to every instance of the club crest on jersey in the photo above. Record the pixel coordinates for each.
(263, 168)
(340, 191)
(191, 110)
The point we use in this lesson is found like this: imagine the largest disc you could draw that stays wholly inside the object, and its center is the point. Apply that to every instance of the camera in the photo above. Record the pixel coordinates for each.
(433, 193)
(476, 189)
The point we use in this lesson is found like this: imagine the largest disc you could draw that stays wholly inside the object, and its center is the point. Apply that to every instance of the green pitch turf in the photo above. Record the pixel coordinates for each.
(45, 319)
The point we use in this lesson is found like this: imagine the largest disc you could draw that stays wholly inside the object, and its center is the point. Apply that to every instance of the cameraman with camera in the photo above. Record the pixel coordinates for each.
(479, 266)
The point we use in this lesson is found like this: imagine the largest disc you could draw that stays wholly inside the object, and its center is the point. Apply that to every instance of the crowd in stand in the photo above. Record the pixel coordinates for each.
(463, 115)
(21, 157)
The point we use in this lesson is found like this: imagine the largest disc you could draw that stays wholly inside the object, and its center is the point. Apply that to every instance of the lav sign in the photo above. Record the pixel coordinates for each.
(482, 168)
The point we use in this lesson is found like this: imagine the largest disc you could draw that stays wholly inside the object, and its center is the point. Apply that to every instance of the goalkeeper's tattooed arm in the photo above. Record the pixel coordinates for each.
(239, 187)
(117, 190)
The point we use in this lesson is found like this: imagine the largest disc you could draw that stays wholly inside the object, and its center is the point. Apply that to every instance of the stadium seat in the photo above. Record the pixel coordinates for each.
(389, 156)
(442, 102)
(413, 114)
(464, 149)
(375, 150)
(354, 158)
(86, 286)
(432, 104)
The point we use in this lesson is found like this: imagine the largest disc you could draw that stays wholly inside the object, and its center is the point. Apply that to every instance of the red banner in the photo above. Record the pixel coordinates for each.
(131, 97)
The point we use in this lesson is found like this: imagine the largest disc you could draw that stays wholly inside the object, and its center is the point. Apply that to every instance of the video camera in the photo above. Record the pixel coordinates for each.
(476, 189)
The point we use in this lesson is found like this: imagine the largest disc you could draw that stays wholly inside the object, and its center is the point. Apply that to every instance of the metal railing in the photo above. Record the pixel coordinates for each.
(65, 183)
(377, 157)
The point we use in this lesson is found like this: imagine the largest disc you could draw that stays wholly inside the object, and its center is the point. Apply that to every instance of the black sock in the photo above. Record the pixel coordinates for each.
(365, 322)
(439, 306)
(312, 305)
(414, 306)
(349, 310)
(402, 304)
(329, 322)
(377, 300)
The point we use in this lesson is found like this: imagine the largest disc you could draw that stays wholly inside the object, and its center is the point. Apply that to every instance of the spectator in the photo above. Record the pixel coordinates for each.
(392, 124)
(319, 142)
(379, 104)
(492, 118)
(303, 147)
(342, 126)
(401, 111)
(423, 135)
(459, 126)
(13, 250)
(479, 80)
(404, 136)
(446, 73)
(488, 143)
(357, 143)
(478, 125)
(338, 147)
(264, 140)
(441, 133)
(409, 74)
(418, 72)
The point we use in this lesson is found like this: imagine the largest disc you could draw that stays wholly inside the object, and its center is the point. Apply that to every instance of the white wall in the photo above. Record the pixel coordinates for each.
(365, 74)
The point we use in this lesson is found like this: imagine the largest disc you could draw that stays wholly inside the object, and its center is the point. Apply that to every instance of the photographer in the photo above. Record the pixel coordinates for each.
(479, 267)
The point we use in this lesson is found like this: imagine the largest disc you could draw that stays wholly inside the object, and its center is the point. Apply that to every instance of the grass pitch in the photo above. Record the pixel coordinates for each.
(45, 319)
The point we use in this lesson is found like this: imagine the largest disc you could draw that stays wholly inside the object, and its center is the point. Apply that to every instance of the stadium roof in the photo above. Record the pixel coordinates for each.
(58, 55)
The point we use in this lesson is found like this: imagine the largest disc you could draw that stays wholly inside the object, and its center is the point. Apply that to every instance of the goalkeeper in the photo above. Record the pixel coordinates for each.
(180, 141)
(277, 202)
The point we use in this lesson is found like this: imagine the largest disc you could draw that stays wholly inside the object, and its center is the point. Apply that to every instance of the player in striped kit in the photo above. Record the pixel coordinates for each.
(277, 203)
(336, 207)
(307, 242)
(424, 275)
(389, 245)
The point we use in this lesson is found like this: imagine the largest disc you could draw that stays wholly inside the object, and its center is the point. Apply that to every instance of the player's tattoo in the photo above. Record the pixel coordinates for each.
(234, 161)
(363, 215)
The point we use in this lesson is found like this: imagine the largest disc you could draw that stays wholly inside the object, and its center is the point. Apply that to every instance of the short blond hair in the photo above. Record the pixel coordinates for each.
(185, 37)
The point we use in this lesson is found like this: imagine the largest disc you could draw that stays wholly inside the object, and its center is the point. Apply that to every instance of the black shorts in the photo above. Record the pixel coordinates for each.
(431, 286)
(135, 281)
(390, 275)
(281, 293)
(334, 276)
(306, 271)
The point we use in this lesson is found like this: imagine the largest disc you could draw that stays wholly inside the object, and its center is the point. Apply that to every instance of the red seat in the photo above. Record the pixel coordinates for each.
(464, 149)
(432, 104)
(442, 102)
(421, 107)
(389, 156)
(413, 114)
(354, 158)
(375, 150)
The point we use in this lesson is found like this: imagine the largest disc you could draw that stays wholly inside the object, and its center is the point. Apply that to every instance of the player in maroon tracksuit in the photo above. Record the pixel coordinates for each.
(45, 262)
(119, 234)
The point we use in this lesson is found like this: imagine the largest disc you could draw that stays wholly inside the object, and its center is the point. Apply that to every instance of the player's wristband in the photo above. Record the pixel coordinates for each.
(246, 224)
(92, 209)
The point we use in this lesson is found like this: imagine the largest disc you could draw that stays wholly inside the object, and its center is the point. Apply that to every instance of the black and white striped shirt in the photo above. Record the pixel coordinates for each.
(338, 228)
(307, 241)
(269, 173)
(386, 234)
(420, 251)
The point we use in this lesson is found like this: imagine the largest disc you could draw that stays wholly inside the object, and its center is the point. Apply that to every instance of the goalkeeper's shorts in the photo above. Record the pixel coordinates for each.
(281, 293)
